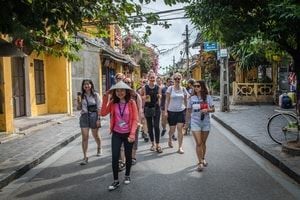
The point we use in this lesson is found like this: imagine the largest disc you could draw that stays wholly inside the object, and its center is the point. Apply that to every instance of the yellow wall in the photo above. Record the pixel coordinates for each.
(42, 108)
(6, 119)
(58, 88)
(57, 74)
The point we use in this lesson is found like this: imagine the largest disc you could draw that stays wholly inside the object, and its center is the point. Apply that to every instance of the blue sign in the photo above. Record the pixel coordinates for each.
(210, 46)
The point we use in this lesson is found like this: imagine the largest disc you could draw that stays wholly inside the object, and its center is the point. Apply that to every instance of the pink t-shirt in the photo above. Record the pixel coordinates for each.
(122, 118)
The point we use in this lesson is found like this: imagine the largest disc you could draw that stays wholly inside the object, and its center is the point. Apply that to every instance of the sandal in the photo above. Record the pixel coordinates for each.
(204, 163)
(99, 152)
(84, 161)
(200, 167)
(152, 148)
(170, 144)
(159, 150)
(122, 165)
(180, 151)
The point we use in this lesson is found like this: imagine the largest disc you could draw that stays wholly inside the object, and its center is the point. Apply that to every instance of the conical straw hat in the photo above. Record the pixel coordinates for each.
(120, 85)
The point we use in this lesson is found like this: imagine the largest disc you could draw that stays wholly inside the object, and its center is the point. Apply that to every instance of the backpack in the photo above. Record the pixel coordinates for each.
(286, 102)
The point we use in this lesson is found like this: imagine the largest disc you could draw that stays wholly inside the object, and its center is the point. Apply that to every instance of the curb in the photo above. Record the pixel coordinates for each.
(275, 161)
(23, 169)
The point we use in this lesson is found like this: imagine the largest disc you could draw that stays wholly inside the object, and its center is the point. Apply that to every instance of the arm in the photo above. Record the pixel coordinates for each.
(106, 107)
(140, 106)
(134, 121)
(159, 95)
(167, 101)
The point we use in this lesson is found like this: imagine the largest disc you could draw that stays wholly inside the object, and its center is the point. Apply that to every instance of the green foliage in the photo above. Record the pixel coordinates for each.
(50, 25)
(233, 21)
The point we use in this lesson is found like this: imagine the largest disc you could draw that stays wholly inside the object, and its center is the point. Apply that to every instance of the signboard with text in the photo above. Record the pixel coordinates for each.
(210, 46)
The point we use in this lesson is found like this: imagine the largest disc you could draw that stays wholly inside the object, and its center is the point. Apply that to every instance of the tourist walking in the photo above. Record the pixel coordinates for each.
(89, 103)
(176, 100)
(151, 94)
(123, 124)
(200, 104)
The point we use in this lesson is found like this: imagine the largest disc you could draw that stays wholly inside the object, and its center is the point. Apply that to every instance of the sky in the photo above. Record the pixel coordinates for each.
(170, 38)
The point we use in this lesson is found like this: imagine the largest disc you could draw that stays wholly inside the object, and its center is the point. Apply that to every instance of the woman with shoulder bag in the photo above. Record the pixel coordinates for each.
(151, 93)
(123, 124)
(89, 105)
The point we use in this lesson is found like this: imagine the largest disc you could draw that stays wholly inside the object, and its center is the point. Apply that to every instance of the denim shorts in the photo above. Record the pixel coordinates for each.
(200, 127)
(88, 120)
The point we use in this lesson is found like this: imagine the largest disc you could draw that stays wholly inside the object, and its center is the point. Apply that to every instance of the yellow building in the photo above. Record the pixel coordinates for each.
(33, 85)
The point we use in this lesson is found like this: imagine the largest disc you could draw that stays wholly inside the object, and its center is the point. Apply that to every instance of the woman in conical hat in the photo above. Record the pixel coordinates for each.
(123, 124)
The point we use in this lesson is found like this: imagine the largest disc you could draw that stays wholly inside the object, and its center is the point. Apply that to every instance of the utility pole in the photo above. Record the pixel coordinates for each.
(173, 65)
(224, 81)
(187, 50)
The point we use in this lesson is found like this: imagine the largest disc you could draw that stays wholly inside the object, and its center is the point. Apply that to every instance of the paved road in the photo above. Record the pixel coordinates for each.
(234, 172)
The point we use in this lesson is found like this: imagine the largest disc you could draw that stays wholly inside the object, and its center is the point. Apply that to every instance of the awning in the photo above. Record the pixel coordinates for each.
(7, 49)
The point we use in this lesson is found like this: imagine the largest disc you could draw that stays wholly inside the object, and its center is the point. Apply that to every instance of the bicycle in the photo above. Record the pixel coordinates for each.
(283, 126)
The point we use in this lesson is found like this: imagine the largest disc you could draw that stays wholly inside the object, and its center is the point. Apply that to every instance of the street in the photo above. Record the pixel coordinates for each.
(234, 172)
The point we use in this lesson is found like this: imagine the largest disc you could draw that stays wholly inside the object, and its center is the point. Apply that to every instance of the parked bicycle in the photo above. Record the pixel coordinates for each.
(283, 126)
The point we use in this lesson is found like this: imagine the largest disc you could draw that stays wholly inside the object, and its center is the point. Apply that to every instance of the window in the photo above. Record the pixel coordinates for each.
(39, 82)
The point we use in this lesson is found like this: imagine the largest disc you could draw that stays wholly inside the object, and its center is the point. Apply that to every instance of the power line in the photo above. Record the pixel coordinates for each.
(166, 19)
(157, 13)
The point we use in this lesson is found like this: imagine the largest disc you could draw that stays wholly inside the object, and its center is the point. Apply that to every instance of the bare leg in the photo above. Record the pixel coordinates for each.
(85, 139)
(197, 137)
(171, 133)
(204, 135)
(180, 134)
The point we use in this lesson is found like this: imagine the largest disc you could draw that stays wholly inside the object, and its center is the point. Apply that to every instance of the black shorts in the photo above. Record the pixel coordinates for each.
(176, 117)
(88, 120)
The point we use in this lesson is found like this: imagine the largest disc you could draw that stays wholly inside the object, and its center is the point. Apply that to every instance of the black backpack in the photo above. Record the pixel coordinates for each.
(286, 102)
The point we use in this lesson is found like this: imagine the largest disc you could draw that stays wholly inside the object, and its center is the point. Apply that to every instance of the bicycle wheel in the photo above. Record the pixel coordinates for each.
(283, 127)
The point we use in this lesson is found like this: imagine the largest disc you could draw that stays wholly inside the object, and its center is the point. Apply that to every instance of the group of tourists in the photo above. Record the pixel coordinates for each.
(155, 104)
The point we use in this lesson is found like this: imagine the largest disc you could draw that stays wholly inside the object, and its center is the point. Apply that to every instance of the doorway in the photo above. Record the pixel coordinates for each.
(18, 86)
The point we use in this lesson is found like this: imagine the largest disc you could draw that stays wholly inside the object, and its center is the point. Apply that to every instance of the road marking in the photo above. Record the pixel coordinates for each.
(285, 181)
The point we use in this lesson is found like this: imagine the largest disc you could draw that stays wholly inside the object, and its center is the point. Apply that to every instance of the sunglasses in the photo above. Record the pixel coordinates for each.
(177, 79)
(197, 86)
(127, 82)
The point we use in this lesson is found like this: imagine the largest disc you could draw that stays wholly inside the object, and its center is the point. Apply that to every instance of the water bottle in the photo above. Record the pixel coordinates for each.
(203, 106)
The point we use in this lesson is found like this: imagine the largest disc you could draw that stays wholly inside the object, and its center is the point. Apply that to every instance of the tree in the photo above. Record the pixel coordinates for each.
(145, 56)
(44, 24)
(233, 21)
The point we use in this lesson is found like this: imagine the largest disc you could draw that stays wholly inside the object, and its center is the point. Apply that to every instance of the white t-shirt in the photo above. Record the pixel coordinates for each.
(176, 103)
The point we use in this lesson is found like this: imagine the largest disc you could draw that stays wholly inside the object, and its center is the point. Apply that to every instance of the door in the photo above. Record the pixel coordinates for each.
(18, 86)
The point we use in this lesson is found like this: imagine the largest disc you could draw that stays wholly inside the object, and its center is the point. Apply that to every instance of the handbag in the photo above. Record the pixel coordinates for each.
(149, 111)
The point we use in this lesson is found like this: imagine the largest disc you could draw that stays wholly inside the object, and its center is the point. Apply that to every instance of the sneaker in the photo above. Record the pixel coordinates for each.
(163, 132)
(114, 185)
(99, 152)
(127, 180)
(146, 139)
(84, 161)
(174, 138)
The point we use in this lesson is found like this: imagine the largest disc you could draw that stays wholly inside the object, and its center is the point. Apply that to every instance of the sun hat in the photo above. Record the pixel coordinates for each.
(120, 85)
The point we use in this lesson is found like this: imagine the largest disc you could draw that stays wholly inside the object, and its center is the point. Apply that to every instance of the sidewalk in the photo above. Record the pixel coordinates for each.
(36, 140)
(249, 124)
